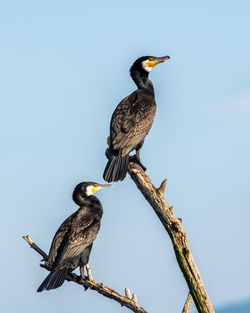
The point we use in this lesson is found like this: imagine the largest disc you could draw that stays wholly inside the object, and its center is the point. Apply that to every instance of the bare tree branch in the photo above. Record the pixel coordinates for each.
(88, 282)
(155, 197)
(188, 303)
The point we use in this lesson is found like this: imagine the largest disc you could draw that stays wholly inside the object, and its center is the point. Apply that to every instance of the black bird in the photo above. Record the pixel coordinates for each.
(132, 120)
(73, 241)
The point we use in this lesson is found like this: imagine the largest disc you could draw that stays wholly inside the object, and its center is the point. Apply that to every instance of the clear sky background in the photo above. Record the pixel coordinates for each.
(64, 66)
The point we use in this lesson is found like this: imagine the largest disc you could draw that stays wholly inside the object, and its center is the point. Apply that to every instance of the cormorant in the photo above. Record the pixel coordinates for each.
(73, 241)
(132, 120)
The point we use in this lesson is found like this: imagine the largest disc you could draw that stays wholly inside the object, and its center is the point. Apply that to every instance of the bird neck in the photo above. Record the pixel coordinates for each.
(82, 200)
(141, 80)
(90, 201)
(92, 204)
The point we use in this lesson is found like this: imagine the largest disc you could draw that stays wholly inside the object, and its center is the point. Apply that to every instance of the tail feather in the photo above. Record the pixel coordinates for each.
(54, 280)
(116, 168)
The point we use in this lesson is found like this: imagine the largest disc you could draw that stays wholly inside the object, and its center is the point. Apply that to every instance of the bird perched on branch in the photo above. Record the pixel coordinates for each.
(132, 120)
(73, 241)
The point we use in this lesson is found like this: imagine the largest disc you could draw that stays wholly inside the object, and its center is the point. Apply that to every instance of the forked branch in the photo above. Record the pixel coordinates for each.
(188, 303)
(155, 197)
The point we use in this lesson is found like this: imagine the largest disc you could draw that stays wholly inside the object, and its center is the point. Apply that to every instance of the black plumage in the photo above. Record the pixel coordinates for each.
(72, 243)
(132, 120)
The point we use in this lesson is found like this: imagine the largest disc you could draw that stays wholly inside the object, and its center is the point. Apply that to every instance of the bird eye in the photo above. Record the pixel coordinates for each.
(94, 185)
(150, 59)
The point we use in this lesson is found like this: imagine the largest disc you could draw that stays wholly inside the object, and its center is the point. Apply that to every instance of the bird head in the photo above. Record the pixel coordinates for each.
(85, 189)
(146, 63)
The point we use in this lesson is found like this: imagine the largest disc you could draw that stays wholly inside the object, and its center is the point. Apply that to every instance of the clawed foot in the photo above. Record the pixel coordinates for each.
(89, 273)
(136, 160)
(141, 165)
(82, 272)
(84, 277)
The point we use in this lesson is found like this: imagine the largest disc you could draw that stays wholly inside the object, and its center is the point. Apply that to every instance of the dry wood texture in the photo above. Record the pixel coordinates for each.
(188, 303)
(155, 196)
(88, 282)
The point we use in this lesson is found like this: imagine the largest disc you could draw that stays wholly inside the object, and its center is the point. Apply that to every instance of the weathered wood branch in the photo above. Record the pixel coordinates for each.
(188, 303)
(88, 282)
(155, 197)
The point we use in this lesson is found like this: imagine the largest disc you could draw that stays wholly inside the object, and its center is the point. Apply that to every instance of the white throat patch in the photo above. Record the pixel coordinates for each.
(145, 66)
(89, 190)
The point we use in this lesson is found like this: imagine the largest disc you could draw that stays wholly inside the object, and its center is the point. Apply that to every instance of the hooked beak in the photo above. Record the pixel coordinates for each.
(161, 59)
(104, 186)
(98, 187)
(151, 62)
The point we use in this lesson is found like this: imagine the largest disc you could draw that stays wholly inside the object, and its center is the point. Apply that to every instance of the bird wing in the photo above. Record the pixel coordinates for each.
(61, 233)
(76, 233)
(131, 121)
(82, 233)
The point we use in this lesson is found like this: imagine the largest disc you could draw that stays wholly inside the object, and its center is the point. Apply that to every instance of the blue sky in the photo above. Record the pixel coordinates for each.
(64, 68)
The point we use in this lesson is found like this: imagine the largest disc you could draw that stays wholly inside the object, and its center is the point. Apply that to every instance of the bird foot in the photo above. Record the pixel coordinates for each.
(90, 277)
(82, 272)
(83, 277)
(142, 166)
(136, 160)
